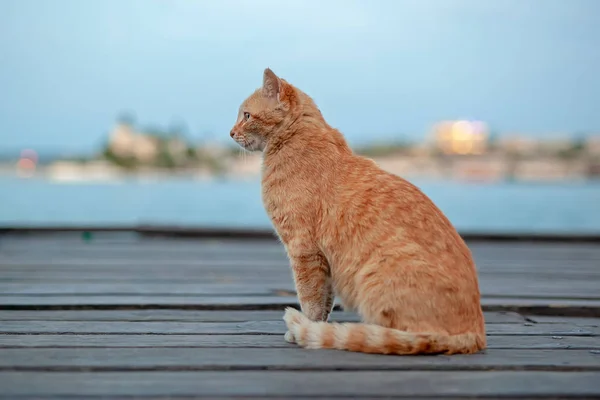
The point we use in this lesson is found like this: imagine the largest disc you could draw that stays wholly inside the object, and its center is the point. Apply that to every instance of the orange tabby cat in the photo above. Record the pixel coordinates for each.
(363, 234)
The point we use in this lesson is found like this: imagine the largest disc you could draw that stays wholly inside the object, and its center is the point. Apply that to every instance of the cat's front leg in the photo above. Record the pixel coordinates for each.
(312, 281)
(313, 286)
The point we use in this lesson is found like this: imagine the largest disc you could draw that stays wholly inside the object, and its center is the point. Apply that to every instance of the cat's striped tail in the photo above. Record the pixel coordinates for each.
(366, 338)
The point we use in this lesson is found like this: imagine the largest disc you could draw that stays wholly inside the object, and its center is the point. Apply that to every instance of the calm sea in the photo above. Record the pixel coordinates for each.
(510, 207)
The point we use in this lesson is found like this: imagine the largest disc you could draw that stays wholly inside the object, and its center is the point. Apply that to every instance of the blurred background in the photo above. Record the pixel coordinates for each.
(117, 112)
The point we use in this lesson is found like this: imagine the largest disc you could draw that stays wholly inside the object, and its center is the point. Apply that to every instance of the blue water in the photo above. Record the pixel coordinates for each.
(507, 207)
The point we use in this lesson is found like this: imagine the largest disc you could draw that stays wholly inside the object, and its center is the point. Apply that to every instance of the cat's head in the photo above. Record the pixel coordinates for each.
(264, 112)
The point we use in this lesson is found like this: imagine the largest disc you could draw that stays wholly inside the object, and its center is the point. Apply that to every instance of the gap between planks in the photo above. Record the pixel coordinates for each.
(538, 306)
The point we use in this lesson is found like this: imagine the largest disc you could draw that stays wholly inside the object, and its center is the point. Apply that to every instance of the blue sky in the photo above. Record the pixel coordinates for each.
(378, 69)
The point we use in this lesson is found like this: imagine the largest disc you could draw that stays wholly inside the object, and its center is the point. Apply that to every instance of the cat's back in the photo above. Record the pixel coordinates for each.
(372, 200)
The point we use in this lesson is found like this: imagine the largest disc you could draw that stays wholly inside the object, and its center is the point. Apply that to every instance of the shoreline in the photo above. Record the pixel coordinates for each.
(489, 168)
(208, 233)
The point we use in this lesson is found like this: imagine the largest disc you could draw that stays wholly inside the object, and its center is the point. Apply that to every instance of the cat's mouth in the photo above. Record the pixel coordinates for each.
(246, 143)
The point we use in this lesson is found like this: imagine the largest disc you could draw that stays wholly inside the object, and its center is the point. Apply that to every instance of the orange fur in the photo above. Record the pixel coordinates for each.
(353, 230)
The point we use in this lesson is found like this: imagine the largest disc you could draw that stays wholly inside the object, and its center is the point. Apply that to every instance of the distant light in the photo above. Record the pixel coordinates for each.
(26, 163)
(26, 167)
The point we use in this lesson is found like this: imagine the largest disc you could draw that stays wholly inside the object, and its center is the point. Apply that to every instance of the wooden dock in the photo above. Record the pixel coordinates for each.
(119, 315)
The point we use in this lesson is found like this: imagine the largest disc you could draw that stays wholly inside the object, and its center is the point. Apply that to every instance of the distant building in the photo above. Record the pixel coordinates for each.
(592, 145)
(514, 144)
(215, 149)
(461, 137)
(177, 148)
(557, 145)
(125, 142)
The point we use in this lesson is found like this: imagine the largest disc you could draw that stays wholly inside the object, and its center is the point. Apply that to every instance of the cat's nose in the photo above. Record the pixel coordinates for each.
(232, 133)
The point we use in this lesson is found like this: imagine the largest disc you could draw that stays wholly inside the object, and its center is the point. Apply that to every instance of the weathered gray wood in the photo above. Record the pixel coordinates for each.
(542, 306)
(38, 359)
(111, 272)
(152, 289)
(263, 384)
(280, 274)
(143, 277)
(83, 264)
(157, 328)
(584, 289)
(165, 284)
(35, 254)
(204, 316)
(579, 321)
(542, 330)
(272, 326)
(248, 327)
(542, 342)
(227, 261)
(115, 341)
(101, 241)
(118, 246)
(119, 243)
(261, 341)
(198, 302)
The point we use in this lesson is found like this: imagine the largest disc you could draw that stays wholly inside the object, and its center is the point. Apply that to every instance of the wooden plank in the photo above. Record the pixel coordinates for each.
(274, 384)
(241, 263)
(278, 253)
(77, 242)
(147, 277)
(575, 272)
(203, 316)
(584, 289)
(258, 261)
(160, 249)
(98, 240)
(146, 273)
(72, 241)
(541, 306)
(137, 260)
(115, 251)
(164, 283)
(579, 321)
(260, 341)
(74, 359)
(542, 330)
(78, 264)
(191, 302)
(115, 341)
(248, 327)
(151, 289)
(279, 274)
(492, 251)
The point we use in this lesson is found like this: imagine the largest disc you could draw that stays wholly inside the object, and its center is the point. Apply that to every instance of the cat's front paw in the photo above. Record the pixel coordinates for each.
(289, 337)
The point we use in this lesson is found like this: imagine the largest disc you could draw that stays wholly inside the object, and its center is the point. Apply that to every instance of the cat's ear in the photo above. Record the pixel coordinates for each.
(271, 85)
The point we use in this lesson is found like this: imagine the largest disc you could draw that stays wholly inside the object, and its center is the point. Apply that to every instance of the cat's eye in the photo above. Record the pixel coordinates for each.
(246, 116)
